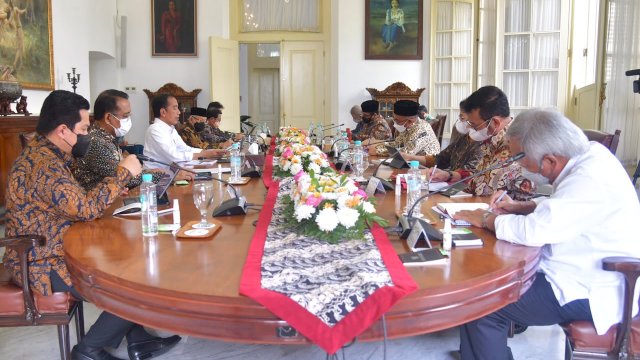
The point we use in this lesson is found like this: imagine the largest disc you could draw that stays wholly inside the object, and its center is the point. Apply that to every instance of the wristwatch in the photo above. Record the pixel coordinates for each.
(485, 218)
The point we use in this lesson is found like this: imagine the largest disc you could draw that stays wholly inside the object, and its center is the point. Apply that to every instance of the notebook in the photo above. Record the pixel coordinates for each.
(132, 204)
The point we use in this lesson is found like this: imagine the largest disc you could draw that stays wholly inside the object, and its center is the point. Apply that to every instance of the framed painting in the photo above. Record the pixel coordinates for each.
(174, 27)
(26, 43)
(393, 30)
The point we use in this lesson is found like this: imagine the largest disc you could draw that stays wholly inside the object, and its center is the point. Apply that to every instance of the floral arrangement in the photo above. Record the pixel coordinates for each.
(331, 207)
(301, 157)
(290, 135)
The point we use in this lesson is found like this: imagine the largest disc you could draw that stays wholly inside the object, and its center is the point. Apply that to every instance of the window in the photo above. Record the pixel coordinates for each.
(531, 67)
(452, 49)
(280, 15)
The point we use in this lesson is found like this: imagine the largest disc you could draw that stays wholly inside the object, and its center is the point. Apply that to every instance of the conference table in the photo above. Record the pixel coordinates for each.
(191, 287)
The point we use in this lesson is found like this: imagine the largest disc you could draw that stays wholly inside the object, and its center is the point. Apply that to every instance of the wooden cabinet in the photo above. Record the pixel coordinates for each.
(394, 92)
(10, 129)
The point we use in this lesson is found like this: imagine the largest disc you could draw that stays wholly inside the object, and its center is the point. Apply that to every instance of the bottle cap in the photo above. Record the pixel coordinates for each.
(236, 145)
(358, 143)
(414, 163)
(147, 177)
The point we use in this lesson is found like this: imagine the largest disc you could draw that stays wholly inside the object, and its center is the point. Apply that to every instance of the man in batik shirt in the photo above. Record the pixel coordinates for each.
(415, 137)
(374, 127)
(44, 199)
(488, 119)
(192, 132)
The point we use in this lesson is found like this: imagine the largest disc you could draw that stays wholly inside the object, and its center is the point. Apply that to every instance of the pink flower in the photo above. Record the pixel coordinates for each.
(361, 193)
(287, 153)
(314, 201)
(298, 175)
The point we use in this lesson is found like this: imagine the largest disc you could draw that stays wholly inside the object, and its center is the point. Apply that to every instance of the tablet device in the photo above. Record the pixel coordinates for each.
(161, 188)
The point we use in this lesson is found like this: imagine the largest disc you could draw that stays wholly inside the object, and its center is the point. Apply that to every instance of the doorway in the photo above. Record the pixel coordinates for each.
(260, 83)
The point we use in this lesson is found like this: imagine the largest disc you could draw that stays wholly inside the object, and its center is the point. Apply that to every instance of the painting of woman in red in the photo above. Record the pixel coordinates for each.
(171, 24)
(174, 26)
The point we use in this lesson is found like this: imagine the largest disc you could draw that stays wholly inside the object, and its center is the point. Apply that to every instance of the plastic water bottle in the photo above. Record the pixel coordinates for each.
(358, 159)
(398, 192)
(446, 235)
(148, 206)
(414, 188)
(311, 133)
(235, 161)
(318, 134)
(343, 145)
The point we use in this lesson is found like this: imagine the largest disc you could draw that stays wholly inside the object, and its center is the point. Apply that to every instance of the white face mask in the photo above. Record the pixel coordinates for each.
(480, 135)
(462, 127)
(535, 177)
(125, 126)
(399, 128)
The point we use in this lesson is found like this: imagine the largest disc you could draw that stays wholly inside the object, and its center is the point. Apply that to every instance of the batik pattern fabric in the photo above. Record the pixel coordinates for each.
(193, 138)
(376, 128)
(462, 154)
(215, 136)
(493, 151)
(330, 293)
(419, 139)
(102, 159)
(45, 199)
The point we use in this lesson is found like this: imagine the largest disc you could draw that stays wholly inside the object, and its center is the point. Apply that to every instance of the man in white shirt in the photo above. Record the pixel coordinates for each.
(162, 141)
(588, 217)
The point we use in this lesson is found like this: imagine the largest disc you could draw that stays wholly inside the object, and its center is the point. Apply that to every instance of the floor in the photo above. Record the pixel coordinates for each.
(538, 343)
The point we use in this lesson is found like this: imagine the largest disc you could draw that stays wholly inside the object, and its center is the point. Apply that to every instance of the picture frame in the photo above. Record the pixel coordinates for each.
(26, 44)
(393, 33)
(174, 27)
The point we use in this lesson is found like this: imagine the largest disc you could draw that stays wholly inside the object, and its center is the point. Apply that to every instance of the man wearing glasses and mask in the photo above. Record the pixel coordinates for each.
(487, 111)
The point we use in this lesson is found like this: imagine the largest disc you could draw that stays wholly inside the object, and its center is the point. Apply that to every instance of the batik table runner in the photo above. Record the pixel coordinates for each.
(329, 293)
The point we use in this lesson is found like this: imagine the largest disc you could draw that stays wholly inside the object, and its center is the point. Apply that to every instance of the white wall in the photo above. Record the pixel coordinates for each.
(143, 71)
(85, 26)
(355, 74)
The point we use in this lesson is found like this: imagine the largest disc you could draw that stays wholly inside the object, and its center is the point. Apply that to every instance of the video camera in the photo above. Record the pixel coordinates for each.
(636, 83)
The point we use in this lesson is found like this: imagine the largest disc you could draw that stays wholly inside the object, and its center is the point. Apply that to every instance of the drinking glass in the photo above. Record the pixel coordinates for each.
(202, 198)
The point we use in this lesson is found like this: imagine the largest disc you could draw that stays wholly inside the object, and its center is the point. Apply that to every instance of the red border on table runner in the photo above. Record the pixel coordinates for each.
(267, 171)
(331, 339)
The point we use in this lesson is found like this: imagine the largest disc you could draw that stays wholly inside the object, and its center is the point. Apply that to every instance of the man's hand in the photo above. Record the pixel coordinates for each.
(210, 153)
(439, 175)
(184, 175)
(132, 164)
(474, 217)
(226, 144)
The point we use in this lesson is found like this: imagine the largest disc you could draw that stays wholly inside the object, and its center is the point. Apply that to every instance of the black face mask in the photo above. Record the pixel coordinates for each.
(81, 147)
(198, 126)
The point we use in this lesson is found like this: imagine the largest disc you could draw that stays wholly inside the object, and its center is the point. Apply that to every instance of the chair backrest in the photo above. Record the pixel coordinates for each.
(438, 126)
(25, 138)
(610, 141)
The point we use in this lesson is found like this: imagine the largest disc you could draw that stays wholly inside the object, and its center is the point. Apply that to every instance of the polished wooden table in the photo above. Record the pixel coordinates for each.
(191, 286)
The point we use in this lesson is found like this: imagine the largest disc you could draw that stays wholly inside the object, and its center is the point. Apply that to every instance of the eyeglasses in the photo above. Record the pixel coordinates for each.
(474, 127)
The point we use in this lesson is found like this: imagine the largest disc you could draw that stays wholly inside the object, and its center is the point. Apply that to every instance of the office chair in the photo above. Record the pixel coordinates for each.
(438, 126)
(621, 340)
(19, 306)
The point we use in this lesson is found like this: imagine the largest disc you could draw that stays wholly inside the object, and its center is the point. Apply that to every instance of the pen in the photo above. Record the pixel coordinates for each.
(433, 171)
(499, 198)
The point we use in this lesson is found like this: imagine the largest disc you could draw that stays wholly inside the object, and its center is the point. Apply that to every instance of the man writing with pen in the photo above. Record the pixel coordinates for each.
(576, 227)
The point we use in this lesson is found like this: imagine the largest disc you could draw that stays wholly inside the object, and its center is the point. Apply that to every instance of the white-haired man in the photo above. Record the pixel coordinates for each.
(585, 219)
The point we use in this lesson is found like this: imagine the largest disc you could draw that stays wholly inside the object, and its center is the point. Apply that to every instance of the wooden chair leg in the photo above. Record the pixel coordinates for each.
(79, 322)
(63, 342)
(512, 329)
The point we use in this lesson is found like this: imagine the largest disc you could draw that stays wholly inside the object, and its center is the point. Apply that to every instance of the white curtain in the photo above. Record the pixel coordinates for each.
(621, 109)
(531, 53)
(280, 15)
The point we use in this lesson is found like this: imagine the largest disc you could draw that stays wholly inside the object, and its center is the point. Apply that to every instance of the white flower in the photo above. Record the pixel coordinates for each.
(327, 219)
(348, 216)
(304, 212)
(368, 207)
(295, 168)
(315, 167)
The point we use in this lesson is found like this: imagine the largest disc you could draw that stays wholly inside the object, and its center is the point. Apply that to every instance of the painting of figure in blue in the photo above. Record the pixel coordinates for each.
(393, 29)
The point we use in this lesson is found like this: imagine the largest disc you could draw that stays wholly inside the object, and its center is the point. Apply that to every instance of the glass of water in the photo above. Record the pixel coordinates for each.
(202, 198)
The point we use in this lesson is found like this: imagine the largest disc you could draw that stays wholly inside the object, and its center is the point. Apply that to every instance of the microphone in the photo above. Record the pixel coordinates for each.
(406, 222)
(331, 127)
(632, 72)
(387, 185)
(343, 165)
(235, 206)
(253, 171)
